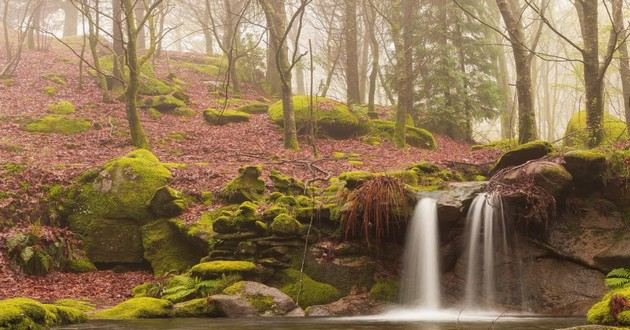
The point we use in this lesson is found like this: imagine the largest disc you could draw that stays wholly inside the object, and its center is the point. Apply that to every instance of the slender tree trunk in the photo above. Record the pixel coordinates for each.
(370, 21)
(117, 43)
(207, 36)
(352, 66)
(139, 13)
(276, 21)
(138, 137)
(404, 63)
(33, 31)
(71, 19)
(364, 63)
(624, 59)
(522, 61)
(5, 28)
(329, 75)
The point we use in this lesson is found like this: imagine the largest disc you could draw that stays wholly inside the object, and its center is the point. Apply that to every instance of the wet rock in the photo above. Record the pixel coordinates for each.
(264, 299)
(587, 168)
(522, 154)
(549, 175)
(453, 203)
(351, 305)
(233, 306)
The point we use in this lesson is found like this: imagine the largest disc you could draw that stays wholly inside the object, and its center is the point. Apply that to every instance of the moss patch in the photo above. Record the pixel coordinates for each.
(25, 313)
(286, 225)
(415, 137)
(576, 134)
(521, 154)
(247, 186)
(253, 108)
(137, 308)
(58, 124)
(311, 293)
(166, 250)
(385, 290)
(218, 117)
(214, 269)
(62, 107)
(163, 103)
(333, 118)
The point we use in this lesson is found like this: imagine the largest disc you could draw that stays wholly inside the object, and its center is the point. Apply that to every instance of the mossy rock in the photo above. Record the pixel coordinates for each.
(333, 118)
(415, 137)
(166, 249)
(310, 291)
(587, 167)
(50, 90)
(58, 124)
(149, 83)
(253, 108)
(181, 288)
(163, 103)
(601, 313)
(501, 145)
(25, 313)
(81, 265)
(167, 203)
(385, 290)
(109, 205)
(522, 154)
(286, 225)
(247, 186)
(81, 305)
(56, 78)
(354, 179)
(200, 307)
(136, 308)
(286, 184)
(146, 290)
(218, 117)
(217, 268)
(62, 107)
(576, 134)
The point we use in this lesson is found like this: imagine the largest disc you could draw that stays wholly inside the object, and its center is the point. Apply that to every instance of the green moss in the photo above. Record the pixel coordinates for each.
(576, 134)
(586, 155)
(214, 269)
(25, 313)
(286, 184)
(148, 289)
(208, 69)
(166, 250)
(261, 303)
(182, 287)
(521, 154)
(81, 305)
(333, 118)
(81, 265)
(58, 79)
(385, 290)
(58, 124)
(217, 117)
(163, 103)
(286, 225)
(154, 114)
(253, 108)
(270, 213)
(600, 312)
(311, 293)
(149, 83)
(200, 307)
(416, 137)
(355, 178)
(12, 169)
(407, 176)
(62, 107)
(501, 145)
(50, 90)
(167, 202)
(137, 308)
(247, 186)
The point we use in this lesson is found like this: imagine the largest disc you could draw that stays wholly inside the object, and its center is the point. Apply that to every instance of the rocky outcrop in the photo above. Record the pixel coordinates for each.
(351, 305)
(522, 154)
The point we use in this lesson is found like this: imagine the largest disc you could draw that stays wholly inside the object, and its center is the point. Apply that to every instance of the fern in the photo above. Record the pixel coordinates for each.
(618, 278)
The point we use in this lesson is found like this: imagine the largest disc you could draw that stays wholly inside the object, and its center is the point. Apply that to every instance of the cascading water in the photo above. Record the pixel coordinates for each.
(421, 271)
(484, 221)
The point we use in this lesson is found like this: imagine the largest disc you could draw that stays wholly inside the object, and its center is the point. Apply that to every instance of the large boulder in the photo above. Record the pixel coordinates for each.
(110, 205)
(414, 136)
(25, 313)
(576, 134)
(550, 176)
(522, 154)
(587, 168)
(166, 249)
(266, 300)
(333, 118)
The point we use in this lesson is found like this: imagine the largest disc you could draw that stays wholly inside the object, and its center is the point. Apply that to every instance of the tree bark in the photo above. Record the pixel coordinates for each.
(522, 61)
(352, 66)
(139, 13)
(624, 59)
(370, 21)
(71, 18)
(403, 42)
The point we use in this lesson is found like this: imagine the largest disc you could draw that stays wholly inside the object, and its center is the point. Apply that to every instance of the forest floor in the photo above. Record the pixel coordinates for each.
(211, 155)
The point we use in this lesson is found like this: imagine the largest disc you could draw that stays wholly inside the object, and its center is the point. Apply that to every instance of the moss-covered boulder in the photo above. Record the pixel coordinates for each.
(247, 186)
(58, 124)
(166, 249)
(587, 167)
(136, 308)
(286, 184)
(576, 134)
(253, 108)
(522, 154)
(286, 225)
(62, 107)
(306, 291)
(217, 268)
(163, 103)
(25, 313)
(167, 203)
(200, 307)
(385, 290)
(266, 300)
(604, 313)
(415, 137)
(218, 117)
(333, 118)
(109, 205)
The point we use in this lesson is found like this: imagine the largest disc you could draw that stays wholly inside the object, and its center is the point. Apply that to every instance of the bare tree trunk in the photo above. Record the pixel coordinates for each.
(363, 62)
(5, 27)
(404, 64)
(370, 21)
(138, 137)
(352, 66)
(624, 59)
(329, 75)
(522, 61)
(142, 40)
(70, 20)
(33, 31)
(117, 42)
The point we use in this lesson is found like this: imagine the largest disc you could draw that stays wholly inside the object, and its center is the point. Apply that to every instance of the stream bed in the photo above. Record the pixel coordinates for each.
(516, 323)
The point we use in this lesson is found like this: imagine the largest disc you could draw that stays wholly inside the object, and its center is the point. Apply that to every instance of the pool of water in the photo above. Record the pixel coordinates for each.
(506, 322)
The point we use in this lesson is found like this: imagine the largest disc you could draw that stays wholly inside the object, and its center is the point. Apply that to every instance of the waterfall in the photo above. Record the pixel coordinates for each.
(483, 222)
(421, 272)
